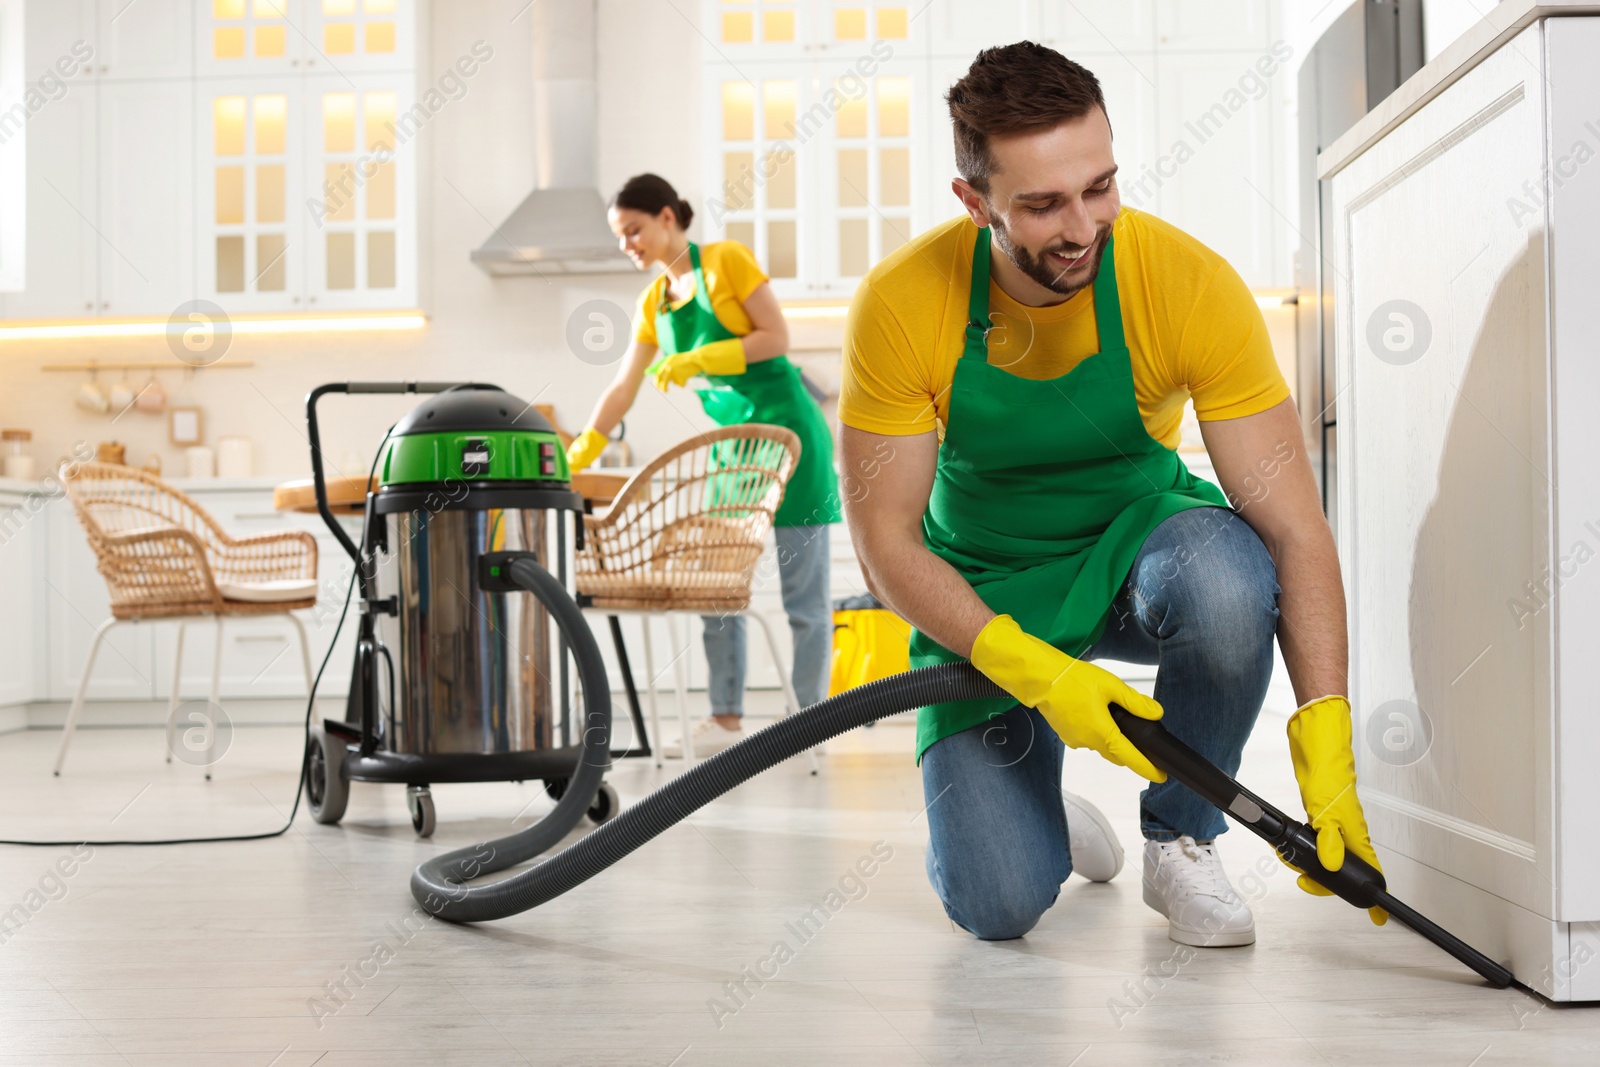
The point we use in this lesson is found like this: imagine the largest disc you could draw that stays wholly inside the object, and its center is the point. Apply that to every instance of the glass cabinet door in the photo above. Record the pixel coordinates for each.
(249, 135)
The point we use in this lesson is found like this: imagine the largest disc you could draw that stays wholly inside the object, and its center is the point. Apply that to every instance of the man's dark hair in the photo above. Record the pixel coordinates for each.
(1015, 88)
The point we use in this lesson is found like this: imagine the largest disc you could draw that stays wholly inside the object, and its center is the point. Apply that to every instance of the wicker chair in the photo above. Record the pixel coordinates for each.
(164, 558)
(684, 535)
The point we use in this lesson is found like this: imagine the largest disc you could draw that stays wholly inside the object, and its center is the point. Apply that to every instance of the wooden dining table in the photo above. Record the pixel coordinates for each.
(348, 496)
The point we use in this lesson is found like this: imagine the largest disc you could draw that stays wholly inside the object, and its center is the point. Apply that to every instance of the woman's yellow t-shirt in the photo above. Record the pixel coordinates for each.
(732, 274)
(1192, 326)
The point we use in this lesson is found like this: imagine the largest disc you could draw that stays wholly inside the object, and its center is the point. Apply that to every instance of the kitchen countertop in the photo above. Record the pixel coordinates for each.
(1499, 25)
(256, 483)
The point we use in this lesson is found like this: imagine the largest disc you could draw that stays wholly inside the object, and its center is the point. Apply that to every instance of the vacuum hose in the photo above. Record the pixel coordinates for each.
(439, 885)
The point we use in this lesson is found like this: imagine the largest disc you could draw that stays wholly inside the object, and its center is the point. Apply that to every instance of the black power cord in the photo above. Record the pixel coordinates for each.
(305, 751)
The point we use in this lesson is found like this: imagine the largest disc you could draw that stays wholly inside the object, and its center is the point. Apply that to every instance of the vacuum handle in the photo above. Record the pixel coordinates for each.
(314, 435)
(410, 387)
(318, 480)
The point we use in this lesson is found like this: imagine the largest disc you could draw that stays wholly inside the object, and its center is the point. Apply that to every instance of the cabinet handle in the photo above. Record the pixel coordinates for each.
(256, 515)
(260, 637)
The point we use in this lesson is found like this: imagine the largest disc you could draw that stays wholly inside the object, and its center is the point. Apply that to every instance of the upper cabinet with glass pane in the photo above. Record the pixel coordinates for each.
(869, 158)
(304, 36)
(813, 115)
(784, 29)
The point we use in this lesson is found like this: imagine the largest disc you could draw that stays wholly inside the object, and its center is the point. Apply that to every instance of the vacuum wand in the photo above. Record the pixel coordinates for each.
(1357, 881)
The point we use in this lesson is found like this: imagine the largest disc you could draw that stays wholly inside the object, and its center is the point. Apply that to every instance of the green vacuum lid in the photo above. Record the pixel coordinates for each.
(473, 407)
(474, 433)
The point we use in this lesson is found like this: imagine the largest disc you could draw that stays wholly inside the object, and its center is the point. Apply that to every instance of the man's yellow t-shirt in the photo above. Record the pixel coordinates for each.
(1192, 326)
(731, 273)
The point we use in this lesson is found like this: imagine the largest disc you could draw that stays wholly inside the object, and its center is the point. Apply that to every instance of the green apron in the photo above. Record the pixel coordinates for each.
(768, 391)
(1045, 491)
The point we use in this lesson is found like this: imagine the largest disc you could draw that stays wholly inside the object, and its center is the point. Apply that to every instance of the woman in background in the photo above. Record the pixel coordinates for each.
(712, 313)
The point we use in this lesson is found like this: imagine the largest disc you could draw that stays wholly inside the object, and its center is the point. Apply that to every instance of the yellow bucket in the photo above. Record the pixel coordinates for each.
(869, 642)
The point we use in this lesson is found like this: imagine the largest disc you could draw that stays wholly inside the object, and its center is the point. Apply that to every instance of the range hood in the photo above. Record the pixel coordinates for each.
(560, 228)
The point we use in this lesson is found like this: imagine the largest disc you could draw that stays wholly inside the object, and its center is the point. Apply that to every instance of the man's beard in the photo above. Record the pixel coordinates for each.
(1039, 268)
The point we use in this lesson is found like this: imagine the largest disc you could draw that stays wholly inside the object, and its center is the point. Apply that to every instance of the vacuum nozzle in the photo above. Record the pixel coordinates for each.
(1356, 881)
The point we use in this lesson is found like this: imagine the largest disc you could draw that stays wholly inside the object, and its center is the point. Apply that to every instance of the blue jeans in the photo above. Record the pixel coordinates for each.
(802, 553)
(1201, 602)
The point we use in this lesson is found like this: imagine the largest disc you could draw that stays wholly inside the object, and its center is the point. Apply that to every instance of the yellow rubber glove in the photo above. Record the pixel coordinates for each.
(718, 357)
(1325, 766)
(1072, 695)
(585, 449)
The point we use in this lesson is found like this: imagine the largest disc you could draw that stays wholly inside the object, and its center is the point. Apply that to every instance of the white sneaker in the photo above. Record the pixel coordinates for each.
(1096, 854)
(1184, 881)
(708, 737)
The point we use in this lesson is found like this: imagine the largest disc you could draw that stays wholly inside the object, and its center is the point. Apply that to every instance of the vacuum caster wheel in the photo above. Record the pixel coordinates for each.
(555, 788)
(327, 788)
(605, 805)
(420, 800)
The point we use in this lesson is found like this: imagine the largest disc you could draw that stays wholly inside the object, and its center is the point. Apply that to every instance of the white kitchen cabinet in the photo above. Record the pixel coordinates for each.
(58, 29)
(1184, 26)
(1101, 26)
(814, 168)
(22, 542)
(234, 38)
(137, 39)
(1464, 236)
(146, 194)
(1196, 121)
(360, 200)
(843, 30)
(862, 177)
(249, 176)
(306, 194)
(762, 137)
(965, 29)
(76, 603)
(1129, 82)
(261, 654)
(1221, 147)
(132, 210)
(349, 37)
(62, 249)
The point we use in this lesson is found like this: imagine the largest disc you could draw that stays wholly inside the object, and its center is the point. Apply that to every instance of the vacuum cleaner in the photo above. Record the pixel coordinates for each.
(456, 578)
(461, 570)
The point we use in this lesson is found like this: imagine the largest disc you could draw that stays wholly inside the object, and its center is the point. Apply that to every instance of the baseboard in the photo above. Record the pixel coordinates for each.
(13, 718)
(100, 714)
(264, 711)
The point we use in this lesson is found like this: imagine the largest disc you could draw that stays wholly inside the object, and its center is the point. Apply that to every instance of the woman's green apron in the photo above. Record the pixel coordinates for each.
(1045, 491)
(768, 391)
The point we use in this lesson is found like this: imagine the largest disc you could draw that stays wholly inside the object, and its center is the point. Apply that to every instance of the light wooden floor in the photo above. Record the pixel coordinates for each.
(217, 955)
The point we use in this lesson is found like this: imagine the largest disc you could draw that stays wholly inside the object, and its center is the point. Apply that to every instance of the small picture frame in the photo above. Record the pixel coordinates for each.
(185, 426)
